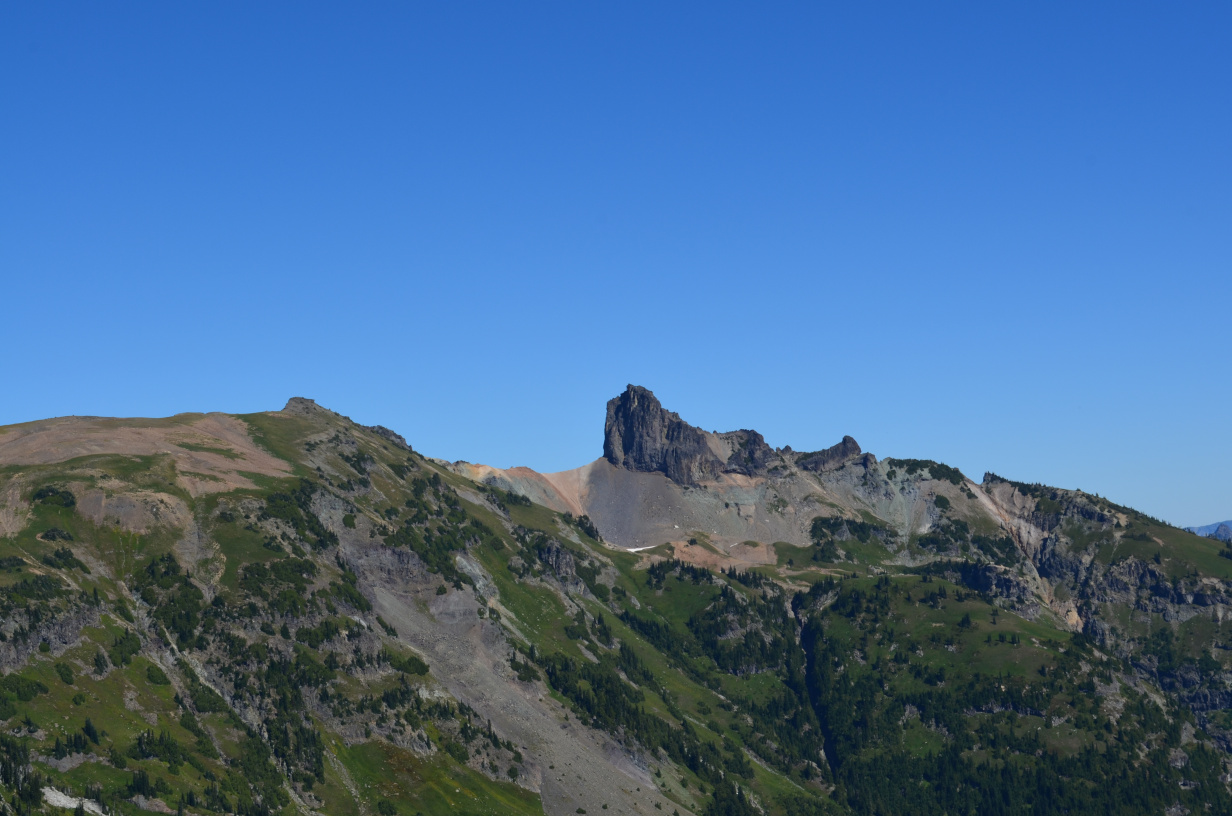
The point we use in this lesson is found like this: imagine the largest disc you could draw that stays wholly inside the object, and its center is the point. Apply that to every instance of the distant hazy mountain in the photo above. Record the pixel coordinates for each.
(1221, 530)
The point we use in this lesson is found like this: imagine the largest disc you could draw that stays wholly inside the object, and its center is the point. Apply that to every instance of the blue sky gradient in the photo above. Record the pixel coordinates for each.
(997, 235)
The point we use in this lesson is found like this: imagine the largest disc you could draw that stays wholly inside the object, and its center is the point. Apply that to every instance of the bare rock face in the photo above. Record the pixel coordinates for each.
(560, 561)
(641, 435)
(749, 453)
(302, 406)
(391, 436)
(831, 457)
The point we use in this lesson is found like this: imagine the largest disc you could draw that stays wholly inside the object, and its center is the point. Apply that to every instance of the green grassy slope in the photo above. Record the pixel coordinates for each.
(857, 691)
(104, 692)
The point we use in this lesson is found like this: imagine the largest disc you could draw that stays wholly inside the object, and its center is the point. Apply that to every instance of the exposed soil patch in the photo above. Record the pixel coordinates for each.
(740, 556)
(211, 451)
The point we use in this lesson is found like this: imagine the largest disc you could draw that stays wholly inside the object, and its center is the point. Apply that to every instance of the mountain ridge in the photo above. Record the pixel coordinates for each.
(1221, 530)
(290, 612)
(662, 480)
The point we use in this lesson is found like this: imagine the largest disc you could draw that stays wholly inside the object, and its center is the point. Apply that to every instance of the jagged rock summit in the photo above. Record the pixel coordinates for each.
(830, 457)
(732, 498)
(662, 479)
(641, 435)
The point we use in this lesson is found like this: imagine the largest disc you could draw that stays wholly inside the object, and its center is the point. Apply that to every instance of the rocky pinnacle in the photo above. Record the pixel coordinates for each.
(641, 435)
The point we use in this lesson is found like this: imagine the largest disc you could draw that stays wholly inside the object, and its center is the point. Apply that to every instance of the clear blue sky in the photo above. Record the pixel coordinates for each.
(994, 234)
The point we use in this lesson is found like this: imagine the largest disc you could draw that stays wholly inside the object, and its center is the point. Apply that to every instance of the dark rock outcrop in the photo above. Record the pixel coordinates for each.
(641, 435)
(59, 632)
(303, 406)
(1002, 584)
(829, 458)
(387, 434)
(560, 561)
(749, 455)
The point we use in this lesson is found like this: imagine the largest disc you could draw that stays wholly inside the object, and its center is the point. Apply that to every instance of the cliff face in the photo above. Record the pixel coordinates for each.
(830, 457)
(746, 452)
(641, 435)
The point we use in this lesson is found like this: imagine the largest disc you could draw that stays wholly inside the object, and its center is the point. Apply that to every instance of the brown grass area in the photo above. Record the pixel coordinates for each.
(741, 556)
(219, 446)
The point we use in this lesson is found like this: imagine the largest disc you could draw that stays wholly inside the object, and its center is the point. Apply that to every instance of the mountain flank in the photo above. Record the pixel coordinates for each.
(288, 612)
(664, 481)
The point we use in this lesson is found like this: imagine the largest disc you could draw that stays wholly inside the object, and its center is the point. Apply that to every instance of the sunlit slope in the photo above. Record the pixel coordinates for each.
(309, 616)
